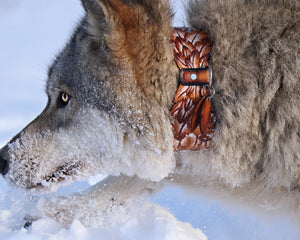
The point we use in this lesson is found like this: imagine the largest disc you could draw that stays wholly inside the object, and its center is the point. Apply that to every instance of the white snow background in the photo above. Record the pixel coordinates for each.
(31, 34)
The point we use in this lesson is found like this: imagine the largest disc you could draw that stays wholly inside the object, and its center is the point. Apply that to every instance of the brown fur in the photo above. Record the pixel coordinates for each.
(137, 38)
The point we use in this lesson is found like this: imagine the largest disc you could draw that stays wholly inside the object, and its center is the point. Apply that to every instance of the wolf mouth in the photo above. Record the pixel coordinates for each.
(63, 172)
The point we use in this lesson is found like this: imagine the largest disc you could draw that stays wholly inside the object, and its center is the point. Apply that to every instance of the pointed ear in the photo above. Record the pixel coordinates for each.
(109, 15)
(135, 32)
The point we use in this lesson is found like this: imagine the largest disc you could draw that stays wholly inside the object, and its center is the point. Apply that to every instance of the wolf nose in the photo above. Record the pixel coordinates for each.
(3, 162)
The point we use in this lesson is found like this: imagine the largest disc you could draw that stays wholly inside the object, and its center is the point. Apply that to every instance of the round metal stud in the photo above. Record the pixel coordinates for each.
(193, 76)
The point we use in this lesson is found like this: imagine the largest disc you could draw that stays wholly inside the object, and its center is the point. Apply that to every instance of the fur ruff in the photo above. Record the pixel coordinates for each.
(256, 68)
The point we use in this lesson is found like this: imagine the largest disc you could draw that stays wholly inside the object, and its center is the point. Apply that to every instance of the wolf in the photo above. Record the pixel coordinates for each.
(111, 89)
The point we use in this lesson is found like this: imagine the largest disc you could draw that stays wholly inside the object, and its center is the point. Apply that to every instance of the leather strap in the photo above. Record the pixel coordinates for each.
(193, 116)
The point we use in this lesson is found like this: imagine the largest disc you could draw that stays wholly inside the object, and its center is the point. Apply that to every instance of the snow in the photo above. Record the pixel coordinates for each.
(32, 32)
(149, 222)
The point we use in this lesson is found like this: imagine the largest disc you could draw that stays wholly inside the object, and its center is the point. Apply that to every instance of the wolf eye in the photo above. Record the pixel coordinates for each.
(63, 100)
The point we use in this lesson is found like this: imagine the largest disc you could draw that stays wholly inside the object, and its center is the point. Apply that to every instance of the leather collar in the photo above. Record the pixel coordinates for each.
(193, 116)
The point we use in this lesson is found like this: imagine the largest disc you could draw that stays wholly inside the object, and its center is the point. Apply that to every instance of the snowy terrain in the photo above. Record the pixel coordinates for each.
(31, 33)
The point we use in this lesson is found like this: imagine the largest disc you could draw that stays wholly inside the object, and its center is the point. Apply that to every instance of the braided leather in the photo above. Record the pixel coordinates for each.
(192, 116)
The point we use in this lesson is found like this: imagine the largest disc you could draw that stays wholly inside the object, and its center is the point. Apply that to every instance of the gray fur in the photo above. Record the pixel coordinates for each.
(256, 74)
(122, 75)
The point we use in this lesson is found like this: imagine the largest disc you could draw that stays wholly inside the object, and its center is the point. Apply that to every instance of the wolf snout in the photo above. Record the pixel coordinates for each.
(3, 161)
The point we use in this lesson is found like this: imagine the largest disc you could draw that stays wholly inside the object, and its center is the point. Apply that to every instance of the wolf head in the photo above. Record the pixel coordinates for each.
(109, 94)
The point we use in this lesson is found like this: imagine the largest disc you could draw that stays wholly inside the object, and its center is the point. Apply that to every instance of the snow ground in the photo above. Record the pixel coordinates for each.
(31, 34)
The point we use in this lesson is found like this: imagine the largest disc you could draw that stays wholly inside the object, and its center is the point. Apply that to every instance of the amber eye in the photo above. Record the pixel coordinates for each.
(63, 100)
(65, 97)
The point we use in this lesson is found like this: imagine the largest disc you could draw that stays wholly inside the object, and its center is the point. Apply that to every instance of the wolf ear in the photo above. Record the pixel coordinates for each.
(111, 15)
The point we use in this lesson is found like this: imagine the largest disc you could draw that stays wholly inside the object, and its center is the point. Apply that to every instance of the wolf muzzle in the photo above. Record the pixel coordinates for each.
(4, 160)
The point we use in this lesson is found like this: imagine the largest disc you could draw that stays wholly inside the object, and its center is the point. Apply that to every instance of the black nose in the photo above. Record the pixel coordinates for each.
(3, 161)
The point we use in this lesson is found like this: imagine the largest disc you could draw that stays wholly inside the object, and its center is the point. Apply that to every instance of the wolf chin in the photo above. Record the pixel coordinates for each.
(111, 89)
